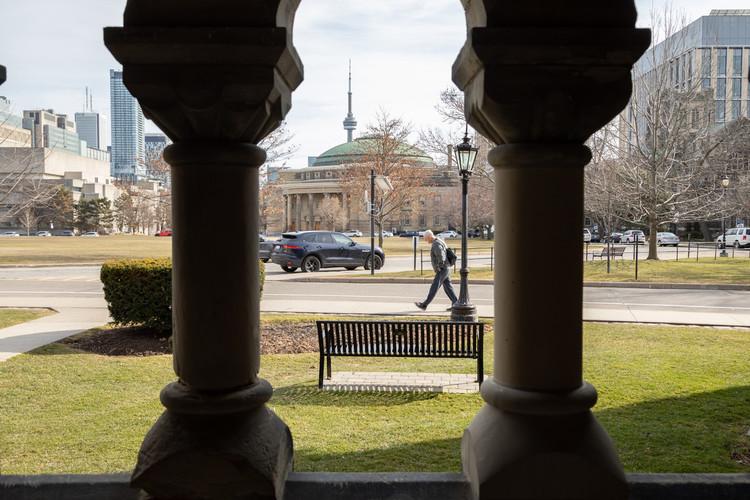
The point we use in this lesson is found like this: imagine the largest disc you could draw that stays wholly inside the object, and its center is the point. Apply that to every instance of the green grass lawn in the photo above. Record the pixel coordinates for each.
(736, 271)
(674, 399)
(10, 317)
(69, 250)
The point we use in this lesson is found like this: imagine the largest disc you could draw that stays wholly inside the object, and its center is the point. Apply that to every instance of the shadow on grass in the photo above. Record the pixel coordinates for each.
(440, 455)
(704, 432)
(311, 395)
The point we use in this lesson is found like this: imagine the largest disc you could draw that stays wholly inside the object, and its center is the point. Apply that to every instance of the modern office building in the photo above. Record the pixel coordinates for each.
(128, 145)
(15, 132)
(52, 131)
(156, 166)
(89, 127)
(712, 53)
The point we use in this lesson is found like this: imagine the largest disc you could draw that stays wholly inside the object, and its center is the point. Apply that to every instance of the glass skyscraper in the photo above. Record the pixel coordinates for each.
(128, 149)
(88, 126)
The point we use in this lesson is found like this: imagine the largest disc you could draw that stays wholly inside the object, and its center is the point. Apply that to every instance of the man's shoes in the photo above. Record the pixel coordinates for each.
(420, 306)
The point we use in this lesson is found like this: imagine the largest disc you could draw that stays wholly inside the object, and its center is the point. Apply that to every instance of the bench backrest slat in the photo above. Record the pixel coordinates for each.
(400, 338)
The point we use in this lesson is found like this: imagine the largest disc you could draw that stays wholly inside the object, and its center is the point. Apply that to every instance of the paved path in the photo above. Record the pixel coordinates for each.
(454, 383)
(76, 293)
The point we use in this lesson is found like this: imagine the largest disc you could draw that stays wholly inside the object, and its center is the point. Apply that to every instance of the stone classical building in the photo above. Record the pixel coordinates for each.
(304, 190)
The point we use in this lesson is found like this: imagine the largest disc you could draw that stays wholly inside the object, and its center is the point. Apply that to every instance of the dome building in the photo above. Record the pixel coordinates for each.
(315, 197)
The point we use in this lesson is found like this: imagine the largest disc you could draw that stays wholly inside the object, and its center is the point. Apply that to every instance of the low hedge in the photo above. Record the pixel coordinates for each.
(139, 292)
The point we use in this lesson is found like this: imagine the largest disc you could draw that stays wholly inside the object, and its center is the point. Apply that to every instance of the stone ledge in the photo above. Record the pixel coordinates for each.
(372, 486)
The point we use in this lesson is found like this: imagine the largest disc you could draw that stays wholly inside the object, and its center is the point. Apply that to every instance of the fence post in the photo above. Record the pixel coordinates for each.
(456, 261)
(636, 256)
(586, 256)
(492, 258)
(609, 253)
(716, 251)
(414, 249)
(733, 252)
(421, 262)
(677, 252)
(688, 247)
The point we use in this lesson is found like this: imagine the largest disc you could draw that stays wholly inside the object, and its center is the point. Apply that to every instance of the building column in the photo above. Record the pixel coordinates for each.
(2, 75)
(288, 213)
(345, 206)
(285, 216)
(298, 212)
(217, 438)
(536, 436)
(311, 211)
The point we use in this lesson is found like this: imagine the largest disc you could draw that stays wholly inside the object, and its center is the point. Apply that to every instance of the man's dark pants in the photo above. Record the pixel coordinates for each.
(441, 278)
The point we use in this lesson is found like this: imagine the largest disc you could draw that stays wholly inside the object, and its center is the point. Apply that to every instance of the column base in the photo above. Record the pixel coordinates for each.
(509, 455)
(464, 313)
(210, 448)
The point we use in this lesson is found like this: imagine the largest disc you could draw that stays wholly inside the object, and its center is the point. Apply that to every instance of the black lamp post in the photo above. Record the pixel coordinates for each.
(466, 155)
(724, 185)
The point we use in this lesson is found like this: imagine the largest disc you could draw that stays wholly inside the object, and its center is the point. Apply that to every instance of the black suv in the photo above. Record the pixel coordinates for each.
(313, 250)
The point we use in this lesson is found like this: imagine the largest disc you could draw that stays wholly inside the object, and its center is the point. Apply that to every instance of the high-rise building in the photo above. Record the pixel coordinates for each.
(155, 164)
(89, 128)
(15, 131)
(713, 53)
(128, 146)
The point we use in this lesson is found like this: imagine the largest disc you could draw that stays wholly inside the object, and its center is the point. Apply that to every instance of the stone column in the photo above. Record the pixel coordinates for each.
(217, 438)
(284, 220)
(298, 212)
(311, 211)
(539, 78)
(2, 75)
(345, 205)
(288, 213)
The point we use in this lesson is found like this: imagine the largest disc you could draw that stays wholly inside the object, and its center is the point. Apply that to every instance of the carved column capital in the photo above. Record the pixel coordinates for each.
(558, 77)
(219, 72)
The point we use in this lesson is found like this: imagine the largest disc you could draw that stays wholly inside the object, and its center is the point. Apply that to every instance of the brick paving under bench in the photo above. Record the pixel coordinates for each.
(456, 383)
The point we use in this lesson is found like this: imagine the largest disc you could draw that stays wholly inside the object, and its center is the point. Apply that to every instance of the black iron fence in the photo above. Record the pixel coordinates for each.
(476, 257)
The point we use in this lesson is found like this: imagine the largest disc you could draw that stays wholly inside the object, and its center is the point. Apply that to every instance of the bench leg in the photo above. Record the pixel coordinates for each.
(480, 370)
(320, 372)
(328, 366)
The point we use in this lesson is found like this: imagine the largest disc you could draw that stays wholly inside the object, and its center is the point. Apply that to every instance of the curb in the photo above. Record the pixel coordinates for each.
(35, 266)
(590, 284)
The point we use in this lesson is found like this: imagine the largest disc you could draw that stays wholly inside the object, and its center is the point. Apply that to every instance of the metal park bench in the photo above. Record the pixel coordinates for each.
(616, 252)
(408, 339)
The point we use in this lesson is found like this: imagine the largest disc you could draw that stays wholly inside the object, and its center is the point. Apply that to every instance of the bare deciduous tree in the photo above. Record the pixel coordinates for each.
(331, 212)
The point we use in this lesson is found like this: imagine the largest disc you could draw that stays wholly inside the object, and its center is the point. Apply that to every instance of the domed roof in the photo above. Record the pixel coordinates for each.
(357, 151)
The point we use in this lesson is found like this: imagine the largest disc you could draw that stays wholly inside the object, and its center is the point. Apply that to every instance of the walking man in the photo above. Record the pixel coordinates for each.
(439, 259)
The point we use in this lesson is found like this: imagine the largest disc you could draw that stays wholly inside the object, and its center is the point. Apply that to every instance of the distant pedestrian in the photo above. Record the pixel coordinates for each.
(442, 268)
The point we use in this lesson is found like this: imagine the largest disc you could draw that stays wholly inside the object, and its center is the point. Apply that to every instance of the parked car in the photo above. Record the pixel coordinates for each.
(586, 235)
(666, 239)
(266, 247)
(614, 237)
(90, 234)
(164, 232)
(387, 234)
(737, 237)
(630, 236)
(353, 233)
(447, 235)
(313, 250)
(43, 233)
(67, 232)
(409, 234)
(10, 234)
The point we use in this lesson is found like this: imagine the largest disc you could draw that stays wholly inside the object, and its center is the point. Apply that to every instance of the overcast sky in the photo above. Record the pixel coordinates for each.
(401, 51)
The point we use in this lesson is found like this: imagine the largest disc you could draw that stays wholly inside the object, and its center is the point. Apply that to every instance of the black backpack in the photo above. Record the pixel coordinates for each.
(450, 256)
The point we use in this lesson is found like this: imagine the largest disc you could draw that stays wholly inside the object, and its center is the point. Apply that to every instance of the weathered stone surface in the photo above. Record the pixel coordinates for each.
(539, 78)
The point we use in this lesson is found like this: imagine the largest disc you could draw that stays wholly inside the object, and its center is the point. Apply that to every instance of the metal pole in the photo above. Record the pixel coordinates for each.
(464, 310)
(636, 256)
(677, 252)
(372, 222)
(421, 262)
(414, 250)
(688, 246)
(492, 258)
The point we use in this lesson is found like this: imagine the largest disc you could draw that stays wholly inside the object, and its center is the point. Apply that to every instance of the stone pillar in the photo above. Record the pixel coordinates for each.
(311, 211)
(217, 438)
(284, 219)
(345, 205)
(539, 78)
(298, 212)
(288, 213)
(2, 75)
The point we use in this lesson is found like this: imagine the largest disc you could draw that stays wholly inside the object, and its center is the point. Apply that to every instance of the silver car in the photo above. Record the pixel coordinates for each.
(631, 235)
(666, 239)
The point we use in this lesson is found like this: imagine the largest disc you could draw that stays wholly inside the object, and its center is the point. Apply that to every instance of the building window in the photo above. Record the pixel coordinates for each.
(737, 62)
(706, 83)
(736, 108)
(436, 221)
(721, 62)
(736, 88)
(422, 221)
(720, 111)
(706, 63)
(329, 173)
(721, 88)
(421, 202)
(405, 220)
(317, 175)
